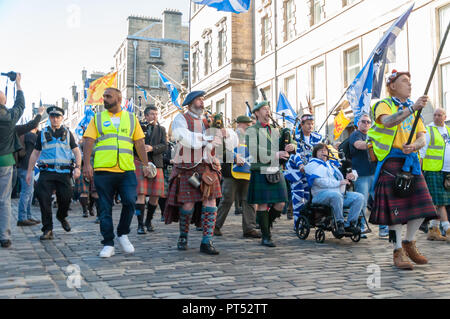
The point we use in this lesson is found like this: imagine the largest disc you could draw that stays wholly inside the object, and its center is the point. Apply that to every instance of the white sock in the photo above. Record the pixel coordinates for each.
(398, 235)
(445, 225)
(434, 223)
(412, 227)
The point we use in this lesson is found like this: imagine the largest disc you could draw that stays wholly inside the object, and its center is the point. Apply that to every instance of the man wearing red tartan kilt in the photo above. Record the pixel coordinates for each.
(155, 146)
(394, 118)
(196, 174)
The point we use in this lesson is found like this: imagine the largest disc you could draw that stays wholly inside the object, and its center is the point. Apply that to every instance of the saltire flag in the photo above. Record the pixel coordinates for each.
(285, 107)
(235, 6)
(367, 84)
(88, 116)
(172, 90)
(249, 112)
(128, 106)
(98, 87)
(144, 91)
(340, 123)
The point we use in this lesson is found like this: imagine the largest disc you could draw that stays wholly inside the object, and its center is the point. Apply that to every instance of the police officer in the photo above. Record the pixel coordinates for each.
(55, 147)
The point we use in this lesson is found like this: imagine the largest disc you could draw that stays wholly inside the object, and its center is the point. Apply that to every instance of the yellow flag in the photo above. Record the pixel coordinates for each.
(98, 87)
(340, 123)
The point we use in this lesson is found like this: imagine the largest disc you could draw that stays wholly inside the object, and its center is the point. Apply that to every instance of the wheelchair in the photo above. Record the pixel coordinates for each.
(321, 218)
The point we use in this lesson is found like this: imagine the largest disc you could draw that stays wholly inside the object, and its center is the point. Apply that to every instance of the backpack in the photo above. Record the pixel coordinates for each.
(344, 147)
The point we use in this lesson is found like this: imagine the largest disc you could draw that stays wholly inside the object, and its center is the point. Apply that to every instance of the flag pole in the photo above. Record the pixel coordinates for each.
(170, 78)
(331, 112)
(433, 71)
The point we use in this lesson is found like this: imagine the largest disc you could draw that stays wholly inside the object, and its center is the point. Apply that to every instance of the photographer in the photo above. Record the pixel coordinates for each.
(9, 143)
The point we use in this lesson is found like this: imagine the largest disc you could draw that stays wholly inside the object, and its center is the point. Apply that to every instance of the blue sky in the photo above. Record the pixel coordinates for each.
(51, 41)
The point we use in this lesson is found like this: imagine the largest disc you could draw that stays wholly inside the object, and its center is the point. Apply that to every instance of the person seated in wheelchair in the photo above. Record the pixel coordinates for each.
(328, 187)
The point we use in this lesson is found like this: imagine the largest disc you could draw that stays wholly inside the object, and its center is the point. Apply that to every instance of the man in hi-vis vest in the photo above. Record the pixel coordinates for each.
(436, 165)
(115, 132)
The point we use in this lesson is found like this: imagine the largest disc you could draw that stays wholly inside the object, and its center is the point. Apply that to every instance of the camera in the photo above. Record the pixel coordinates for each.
(11, 75)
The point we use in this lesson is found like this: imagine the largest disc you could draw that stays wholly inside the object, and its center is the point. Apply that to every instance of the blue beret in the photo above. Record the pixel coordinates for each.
(192, 96)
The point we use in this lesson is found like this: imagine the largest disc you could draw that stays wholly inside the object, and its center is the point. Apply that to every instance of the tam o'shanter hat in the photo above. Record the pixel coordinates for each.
(243, 119)
(192, 96)
(395, 75)
(259, 105)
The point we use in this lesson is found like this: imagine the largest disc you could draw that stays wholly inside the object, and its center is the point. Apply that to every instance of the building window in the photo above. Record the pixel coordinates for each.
(351, 65)
(265, 35)
(267, 94)
(444, 18)
(320, 114)
(124, 79)
(318, 81)
(220, 106)
(186, 55)
(316, 11)
(289, 90)
(348, 2)
(195, 67)
(155, 52)
(445, 80)
(207, 58)
(289, 24)
(222, 46)
(154, 79)
(186, 76)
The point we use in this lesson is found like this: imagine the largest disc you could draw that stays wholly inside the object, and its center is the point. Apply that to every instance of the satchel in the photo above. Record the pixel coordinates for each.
(447, 181)
(273, 178)
(404, 184)
(208, 179)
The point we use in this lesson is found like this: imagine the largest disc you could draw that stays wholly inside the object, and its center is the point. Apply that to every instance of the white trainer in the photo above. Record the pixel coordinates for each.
(127, 247)
(107, 252)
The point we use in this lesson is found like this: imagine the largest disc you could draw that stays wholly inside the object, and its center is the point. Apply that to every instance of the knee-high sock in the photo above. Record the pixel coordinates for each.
(97, 208)
(84, 203)
(150, 211)
(140, 211)
(397, 229)
(91, 203)
(412, 227)
(263, 217)
(162, 205)
(209, 215)
(185, 220)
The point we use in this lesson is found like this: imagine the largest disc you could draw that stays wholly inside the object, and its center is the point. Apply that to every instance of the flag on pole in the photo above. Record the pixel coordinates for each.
(128, 106)
(368, 82)
(144, 91)
(98, 87)
(172, 90)
(283, 106)
(235, 6)
(340, 123)
(249, 111)
(88, 116)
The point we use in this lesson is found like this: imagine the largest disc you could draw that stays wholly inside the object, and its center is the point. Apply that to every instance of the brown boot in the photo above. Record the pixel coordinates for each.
(447, 235)
(435, 234)
(412, 252)
(401, 261)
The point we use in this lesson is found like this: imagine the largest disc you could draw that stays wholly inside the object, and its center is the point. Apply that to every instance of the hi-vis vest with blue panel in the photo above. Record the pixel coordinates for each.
(114, 146)
(56, 152)
(382, 137)
(434, 157)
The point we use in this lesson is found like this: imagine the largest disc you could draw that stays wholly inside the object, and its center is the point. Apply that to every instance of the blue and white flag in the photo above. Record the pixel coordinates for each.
(368, 82)
(172, 90)
(88, 116)
(249, 111)
(283, 106)
(144, 91)
(235, 6)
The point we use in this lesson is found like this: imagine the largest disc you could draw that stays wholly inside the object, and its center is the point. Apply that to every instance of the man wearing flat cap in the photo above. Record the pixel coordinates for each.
(267, 184)
(196, 174)
(236, 178)
(55, 149)
(295, 168)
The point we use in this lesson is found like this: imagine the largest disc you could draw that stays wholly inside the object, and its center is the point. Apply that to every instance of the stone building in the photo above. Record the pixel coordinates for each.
(153, 42)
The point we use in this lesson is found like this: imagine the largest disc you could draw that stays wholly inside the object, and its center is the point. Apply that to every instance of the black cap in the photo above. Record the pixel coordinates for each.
(54, 110)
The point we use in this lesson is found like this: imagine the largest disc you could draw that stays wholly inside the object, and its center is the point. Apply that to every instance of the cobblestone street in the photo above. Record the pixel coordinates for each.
(244, 269)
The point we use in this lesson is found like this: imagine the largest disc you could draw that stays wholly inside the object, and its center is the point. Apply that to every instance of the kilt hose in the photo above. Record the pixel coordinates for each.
(262, 192)
(149, 186)
(435, 183)
(388, 209)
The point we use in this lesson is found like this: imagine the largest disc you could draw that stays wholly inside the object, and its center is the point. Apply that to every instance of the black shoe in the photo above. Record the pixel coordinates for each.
(85, 214)
(182, 243)
(91, 212)
(208, 249)
(238, 212)
(65, 225)
(268, 243)
(26, 222)
(5, 243)
(35, 221)
(340, 230)
(141, 230)
(150, 227)
(48, 235)
(353, 229)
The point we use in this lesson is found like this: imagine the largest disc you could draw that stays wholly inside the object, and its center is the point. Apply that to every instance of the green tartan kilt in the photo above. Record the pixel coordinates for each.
(262, 192)
(435, 183)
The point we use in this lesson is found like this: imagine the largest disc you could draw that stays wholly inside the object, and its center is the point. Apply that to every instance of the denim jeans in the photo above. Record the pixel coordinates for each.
(362, 186)
(6, 173)
(107, 184)
(338, 201)
(26, 196)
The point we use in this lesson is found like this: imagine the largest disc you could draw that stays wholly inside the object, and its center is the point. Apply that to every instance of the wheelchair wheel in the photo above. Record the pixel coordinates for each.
(356, 238)
(320, 236)
(302, 227)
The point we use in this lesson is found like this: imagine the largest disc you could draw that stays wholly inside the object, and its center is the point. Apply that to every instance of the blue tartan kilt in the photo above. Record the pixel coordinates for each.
(262, 192)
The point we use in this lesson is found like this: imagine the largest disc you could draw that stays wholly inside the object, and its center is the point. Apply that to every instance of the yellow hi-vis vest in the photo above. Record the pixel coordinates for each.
(114, 146)
(434, 157)
(382, 137)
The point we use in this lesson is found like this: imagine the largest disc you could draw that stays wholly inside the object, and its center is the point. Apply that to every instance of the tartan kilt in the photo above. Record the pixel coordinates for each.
(84, 188)
(262, 192)
(149, 186)
(435, 183)
(167, 173)
(389, 209)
